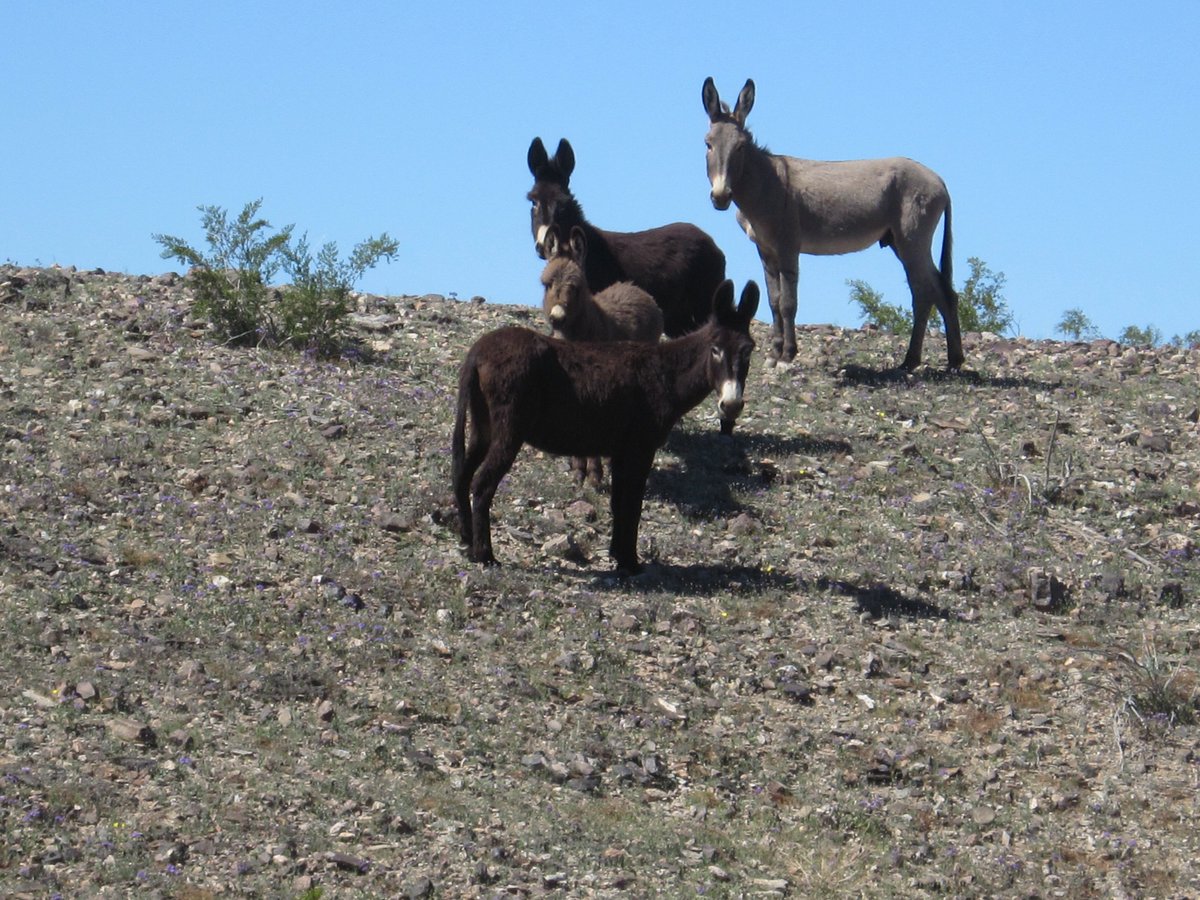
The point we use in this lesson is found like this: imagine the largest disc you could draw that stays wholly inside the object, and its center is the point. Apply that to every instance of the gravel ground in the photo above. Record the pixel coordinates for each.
(924, 635)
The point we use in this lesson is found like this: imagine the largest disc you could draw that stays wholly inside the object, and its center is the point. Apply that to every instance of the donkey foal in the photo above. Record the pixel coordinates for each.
(620, 312)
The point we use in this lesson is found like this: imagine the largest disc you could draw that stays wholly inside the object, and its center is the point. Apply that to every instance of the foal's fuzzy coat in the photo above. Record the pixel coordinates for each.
(620, 312)
(618, 400)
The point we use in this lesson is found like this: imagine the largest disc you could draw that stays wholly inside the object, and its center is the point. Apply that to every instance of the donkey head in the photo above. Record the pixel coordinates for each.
(551, 180)
(727, 141)
(729, 355)
(563, 278)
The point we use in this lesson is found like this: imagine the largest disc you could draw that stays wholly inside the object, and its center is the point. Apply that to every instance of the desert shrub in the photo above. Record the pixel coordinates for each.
(1191, 339)
(981, 305)
(311, 312)
(885, 316)
(1077, 326)
(231, 281)
(1140, 337)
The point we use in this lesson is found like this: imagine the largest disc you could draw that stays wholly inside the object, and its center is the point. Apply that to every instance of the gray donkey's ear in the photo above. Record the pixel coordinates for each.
(745, 102)
(712, 100)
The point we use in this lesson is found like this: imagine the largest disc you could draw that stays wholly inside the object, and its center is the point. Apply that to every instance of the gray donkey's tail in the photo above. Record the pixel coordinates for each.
(947, 264)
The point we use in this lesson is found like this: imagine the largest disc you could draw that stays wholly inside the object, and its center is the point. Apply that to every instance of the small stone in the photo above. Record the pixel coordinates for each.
(742, 525)
(132, 731)
(355, 864)
(983, 815)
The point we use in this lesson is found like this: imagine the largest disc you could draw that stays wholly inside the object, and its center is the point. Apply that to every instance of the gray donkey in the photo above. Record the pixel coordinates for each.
(789, 206)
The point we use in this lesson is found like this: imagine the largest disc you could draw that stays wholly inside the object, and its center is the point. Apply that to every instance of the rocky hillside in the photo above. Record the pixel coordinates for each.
(900, 636)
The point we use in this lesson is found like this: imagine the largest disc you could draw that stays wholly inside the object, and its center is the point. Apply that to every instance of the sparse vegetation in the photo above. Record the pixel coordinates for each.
(887, 317)
(1140, 337)
(981, 305)
(232, 280)
(920, 636)
(1077, 326)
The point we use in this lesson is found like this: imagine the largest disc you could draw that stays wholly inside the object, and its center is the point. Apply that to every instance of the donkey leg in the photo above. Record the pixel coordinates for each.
(495, 466)
(629, 475)
(595, 471)
(579, 467)
(774, 290)
(789, 283)
(947, 304)
(923, 281)
(476, 450)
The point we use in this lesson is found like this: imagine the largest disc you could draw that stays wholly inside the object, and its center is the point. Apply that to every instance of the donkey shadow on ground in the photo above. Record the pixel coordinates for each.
(881, 601)
(884, 377)
(715, 467)
(698, 579)
(877, 600)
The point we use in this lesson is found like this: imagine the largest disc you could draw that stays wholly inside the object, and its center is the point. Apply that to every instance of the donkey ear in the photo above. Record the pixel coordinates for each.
(564, 158)
(712, 100)
(722, 306)
(550, 242)
(748, 305)
(745, 102)
(578, 244)
(537, 156)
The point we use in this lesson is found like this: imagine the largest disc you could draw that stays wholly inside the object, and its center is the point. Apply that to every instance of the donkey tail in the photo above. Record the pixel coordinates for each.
(467, 380)
(947, 264)
(460, 478)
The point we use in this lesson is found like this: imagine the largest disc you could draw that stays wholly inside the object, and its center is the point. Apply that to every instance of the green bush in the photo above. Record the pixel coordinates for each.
(981, 305)
(1191, 340)
(231, 281)
(1140, 337)
(1077, 326)
(885, 316)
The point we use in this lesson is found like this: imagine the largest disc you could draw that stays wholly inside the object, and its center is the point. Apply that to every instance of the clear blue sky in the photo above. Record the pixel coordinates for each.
(1066, 132)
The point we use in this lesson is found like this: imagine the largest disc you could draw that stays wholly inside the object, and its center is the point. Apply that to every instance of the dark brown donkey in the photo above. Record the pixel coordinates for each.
(678, 265)
(789, 206)
(618, 400)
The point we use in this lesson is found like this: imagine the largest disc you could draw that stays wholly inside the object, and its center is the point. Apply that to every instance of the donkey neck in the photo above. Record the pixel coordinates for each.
(686, 358)
(601, 264)
(762, 184)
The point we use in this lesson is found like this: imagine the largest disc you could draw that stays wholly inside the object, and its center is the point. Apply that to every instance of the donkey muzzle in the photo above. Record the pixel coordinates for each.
(720, 194)
(539, 241)
(730, 403)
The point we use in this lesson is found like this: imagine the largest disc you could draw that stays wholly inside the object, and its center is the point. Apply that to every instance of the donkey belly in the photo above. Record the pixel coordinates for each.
(578, 429)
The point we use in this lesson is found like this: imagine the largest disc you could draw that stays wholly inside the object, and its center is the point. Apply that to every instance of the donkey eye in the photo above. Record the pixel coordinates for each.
(717, 353)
